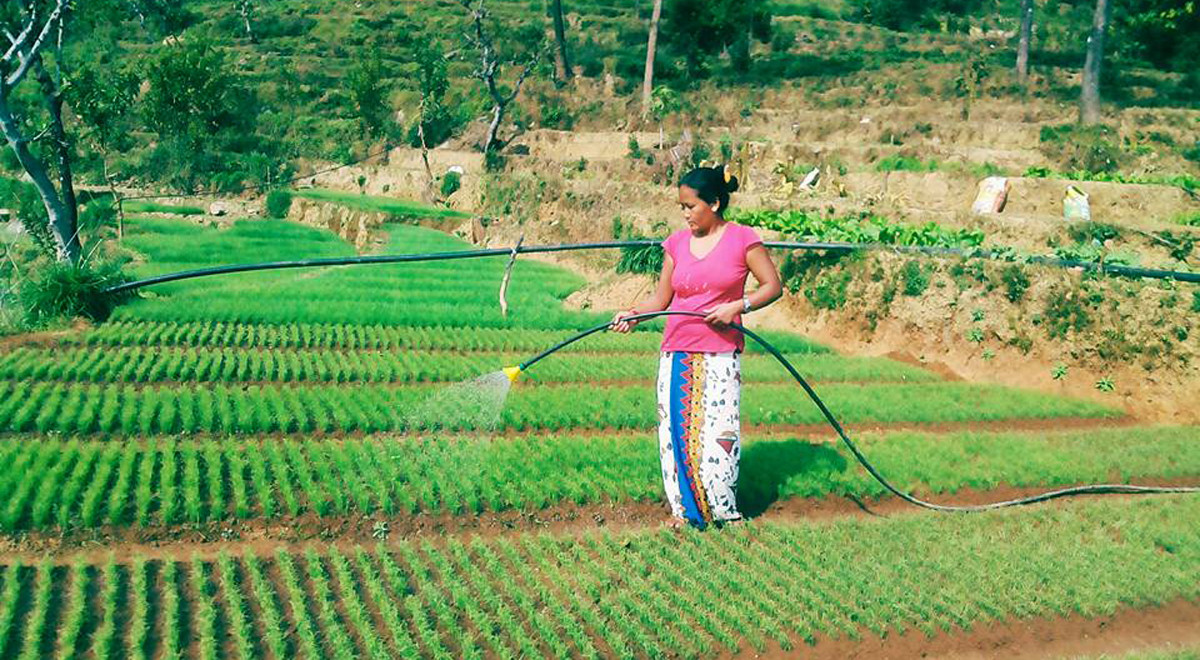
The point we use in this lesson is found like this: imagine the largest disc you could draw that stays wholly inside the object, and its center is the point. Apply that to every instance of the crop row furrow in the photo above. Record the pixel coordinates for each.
(229, 365)
(633, 594)
(169, 481)
(131, 410)
(379, 337)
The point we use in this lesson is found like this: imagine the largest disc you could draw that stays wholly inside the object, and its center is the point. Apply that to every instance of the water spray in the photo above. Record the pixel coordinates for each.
(514, 373)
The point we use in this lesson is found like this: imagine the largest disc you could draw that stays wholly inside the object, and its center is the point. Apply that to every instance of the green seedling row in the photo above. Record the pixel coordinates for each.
(635, 594)
(204, 334)
(150, 365)
(167, 482)
(130, 410)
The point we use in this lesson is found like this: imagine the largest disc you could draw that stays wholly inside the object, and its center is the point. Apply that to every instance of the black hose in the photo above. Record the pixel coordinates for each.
(1125, 271)
(1091, 489)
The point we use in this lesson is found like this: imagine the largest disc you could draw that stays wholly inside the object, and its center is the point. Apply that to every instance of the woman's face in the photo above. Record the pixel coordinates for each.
(700, 216)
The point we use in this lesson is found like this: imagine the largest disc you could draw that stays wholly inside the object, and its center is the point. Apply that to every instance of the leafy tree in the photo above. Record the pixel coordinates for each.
(156, 16)
(205, 117)
(435, 123)
(369, 92)
(701, 29)
(907, 14)
(101, 99)
(1165, 33)
(193, 91)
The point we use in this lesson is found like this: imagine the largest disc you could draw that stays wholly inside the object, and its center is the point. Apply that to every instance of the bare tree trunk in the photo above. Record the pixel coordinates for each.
(1089, 99)
(25, 54)
(52, 96)
(489, 71)
(651, 49)
(62, 225)
(562, 65)
(1026, 35)
(430, 193)
(494, 126)
(245, 8)
(112, 187)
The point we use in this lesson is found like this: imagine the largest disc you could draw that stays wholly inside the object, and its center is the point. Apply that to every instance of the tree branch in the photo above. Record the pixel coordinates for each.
(28, 54)
(18, 42)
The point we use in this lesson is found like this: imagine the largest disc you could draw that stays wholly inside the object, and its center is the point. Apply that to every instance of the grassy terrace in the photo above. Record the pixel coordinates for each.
(75, 484)
(261, 401)
(614, 595)
(398, 208)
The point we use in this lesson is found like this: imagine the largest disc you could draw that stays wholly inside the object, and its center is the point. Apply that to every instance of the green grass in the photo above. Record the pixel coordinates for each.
(397, 208)
(417, 294)
(898, 163)
(200, 334)
(131, 410)
(149, 365)
(147, 206)
(763, 585)
(394, 476)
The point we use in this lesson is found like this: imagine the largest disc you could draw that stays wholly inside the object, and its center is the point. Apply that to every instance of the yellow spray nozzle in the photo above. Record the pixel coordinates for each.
(513, 373)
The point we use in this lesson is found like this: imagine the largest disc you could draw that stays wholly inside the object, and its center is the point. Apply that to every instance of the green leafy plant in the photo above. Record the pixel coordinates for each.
(641, 259)
(1059, 371)
(1105, 385)
(865, 228)
(279, 202)
(1016, 282)
(915, 277)
(69, 290)
(451, 183)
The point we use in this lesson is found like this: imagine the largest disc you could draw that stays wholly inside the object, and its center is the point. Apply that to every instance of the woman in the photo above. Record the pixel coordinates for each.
(699, 374)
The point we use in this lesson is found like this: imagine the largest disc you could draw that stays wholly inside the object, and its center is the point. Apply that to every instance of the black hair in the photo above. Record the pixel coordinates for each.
(710, 185)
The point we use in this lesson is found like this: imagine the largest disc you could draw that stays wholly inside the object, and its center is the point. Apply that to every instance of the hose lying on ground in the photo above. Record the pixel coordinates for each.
(1091, 489)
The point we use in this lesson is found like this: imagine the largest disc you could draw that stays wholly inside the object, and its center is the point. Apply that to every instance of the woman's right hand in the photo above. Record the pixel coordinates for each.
(620, 325)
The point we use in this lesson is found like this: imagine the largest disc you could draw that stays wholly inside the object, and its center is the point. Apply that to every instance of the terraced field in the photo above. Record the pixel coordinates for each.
(229, 468)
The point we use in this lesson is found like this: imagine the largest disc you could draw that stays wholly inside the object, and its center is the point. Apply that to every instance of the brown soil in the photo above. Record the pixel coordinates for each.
(43, 338)
(1160, 397)
(1125, 631)
(264, 537)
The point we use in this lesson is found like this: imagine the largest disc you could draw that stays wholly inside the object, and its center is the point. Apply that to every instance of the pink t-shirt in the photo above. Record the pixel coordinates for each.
(702, 284)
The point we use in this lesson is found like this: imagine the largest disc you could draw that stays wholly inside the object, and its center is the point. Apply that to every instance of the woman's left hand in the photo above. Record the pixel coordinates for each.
(722, 315)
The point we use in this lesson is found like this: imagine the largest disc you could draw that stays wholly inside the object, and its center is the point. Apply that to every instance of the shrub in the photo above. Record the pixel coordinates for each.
(1016, 282)
(68, 290)
(1193, 154)
(451, 183)
(635, 149)
(279, 202)
(640, 260)
(829, 291)
(494, 161)
(555, 114)
(1082, 148)
(916, 278)
(1196, 301)
(898, 163)
(1065, 313)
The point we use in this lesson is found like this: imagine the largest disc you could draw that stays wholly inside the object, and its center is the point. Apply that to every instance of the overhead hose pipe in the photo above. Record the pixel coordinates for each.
(515, 372)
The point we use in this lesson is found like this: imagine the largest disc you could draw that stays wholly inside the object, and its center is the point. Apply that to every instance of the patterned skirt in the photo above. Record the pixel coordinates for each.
(699, 434)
